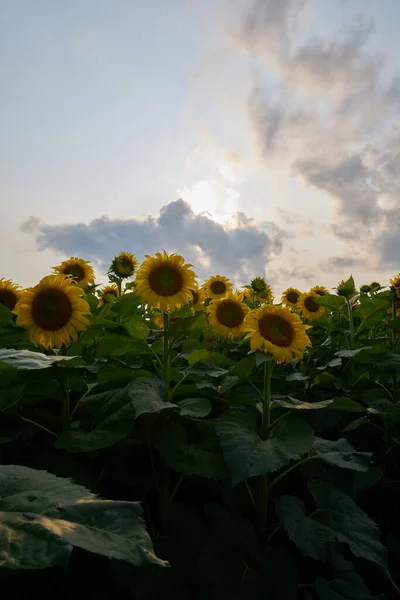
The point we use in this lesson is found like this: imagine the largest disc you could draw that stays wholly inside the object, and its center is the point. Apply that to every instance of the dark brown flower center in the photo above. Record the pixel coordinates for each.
(276, 330)
(165, 280)
(8, 299)
(76, 271)
(310, 304)
(51, 309)
(320, 292)
(230, 314)
(292, 297)
(218, 287)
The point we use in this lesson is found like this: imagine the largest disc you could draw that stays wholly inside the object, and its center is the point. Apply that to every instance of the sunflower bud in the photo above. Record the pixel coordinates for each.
(258, 284)
(123, 265)
(347, 288)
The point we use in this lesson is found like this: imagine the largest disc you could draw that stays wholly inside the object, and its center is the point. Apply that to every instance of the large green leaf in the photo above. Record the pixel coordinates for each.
(202, 458)
(341, 454)
(118, 344)
(334, 404)
(213, 357)
(195, 407)
(42, 517)
(345, 585)
(113, 414)
(26, 359)
(351, 353)
(204, 367)
(337, 520)
(247, 455)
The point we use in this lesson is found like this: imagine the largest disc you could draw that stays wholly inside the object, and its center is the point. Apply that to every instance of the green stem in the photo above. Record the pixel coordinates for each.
(266, 422)
(289, 470)
(351, 323)
(119, 286)
(178, 483)
(166, 365)
(39, 426)
(172, 394)
(66, 417)
(251, 496)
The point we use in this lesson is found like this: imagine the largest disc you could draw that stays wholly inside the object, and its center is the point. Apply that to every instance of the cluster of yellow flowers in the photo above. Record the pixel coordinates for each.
(55, 309)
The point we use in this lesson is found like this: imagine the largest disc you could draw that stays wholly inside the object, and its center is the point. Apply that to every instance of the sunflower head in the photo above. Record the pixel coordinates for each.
(258, 284)
(365, 289)
(290, 297)
(123, 265)
(227, 315)
(166, 281)
(108, 290)
(309, 308)
(217, 287)
(78, 270)
(347, 289)
(53, 311)
(266, 295)
(277, 331)
(198, 298)
(320, 290)
(395, 282)
(10, 293)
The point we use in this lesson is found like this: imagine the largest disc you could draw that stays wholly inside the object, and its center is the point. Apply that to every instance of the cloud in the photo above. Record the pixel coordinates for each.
(326, 106)
(239, 249)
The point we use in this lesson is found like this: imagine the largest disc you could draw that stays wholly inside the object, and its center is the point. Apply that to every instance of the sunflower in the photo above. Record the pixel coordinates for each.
(165, 280)
(77, 269)
(266, 296)
(346, 289)
(277, 331)
(290, 297)
(197, 299)
(53, 311)
(321, 290)
(108, 290)
(217, 287)
(124, 265)
(258, 284)
(10, 293)
(310, 309)
(227, 315)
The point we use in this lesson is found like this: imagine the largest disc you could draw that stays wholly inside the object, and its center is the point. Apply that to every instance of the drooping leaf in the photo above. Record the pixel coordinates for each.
(333, 404)
(26, 359)
(247, 455)
(114, 413)
(203, 367)
(245, 366)
(43, 516)
(202, 458)
(351, 353)
(341, 454)
(195, 407)
(118, 344)
(297, 377)
(336, 520)
(213, 357)
(345, 585)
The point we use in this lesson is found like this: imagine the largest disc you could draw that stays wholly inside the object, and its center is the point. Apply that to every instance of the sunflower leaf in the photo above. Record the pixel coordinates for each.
(42, 517)
(114, 413)
(337, 520)
(341, 454)
(247, 455)
(26, 359)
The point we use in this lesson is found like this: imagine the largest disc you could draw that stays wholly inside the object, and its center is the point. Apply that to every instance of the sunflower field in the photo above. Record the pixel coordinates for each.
(166, 439)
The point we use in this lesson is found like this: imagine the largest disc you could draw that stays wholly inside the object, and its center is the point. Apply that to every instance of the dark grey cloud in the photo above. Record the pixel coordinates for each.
(330, 112)
(339, 263)
(240, 250)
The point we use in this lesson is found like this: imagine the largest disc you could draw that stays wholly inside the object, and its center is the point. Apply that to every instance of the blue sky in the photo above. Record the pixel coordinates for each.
(277, 117)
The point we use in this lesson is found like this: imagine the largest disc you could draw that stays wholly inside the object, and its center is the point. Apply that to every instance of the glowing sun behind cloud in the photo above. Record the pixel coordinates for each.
(212, 197)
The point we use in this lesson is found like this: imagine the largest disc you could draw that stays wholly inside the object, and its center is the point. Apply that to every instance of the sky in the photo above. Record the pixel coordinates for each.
(254, 137)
